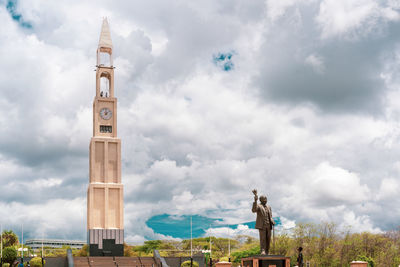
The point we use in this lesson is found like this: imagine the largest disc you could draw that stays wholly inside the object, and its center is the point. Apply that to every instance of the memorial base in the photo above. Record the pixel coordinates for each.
(266, 261)
(106, 242)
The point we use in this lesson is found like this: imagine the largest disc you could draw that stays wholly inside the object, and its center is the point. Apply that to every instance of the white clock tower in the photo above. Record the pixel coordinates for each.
(105, 208)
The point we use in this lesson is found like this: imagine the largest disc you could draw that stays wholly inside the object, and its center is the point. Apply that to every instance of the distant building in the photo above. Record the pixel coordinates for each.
(54, 243)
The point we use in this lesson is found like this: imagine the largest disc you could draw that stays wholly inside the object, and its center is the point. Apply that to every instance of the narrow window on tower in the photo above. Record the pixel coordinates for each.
(105, 129)
(105, 59)
(104, 86)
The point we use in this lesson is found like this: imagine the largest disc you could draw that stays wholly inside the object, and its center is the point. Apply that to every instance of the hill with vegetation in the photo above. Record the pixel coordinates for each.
(323, 245)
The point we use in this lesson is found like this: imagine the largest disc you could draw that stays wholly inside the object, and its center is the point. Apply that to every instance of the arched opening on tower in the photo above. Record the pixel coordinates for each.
(105, 59)
(105, 85)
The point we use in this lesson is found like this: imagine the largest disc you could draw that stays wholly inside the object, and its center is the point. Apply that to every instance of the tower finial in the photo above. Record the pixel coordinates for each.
(105, 36)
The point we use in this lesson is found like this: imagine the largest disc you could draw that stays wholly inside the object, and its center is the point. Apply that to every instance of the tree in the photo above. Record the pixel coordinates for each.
(127, 250)
(149, 246)
(9, 255)
(9, 238)
(282, 244)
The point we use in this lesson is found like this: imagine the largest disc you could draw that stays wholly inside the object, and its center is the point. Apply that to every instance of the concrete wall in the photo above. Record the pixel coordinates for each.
(177, 261)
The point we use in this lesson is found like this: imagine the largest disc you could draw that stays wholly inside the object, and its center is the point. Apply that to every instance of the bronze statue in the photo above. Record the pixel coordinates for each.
(264, 221)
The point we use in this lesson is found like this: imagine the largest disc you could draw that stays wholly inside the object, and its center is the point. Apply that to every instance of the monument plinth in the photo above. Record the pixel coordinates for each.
(266, 261)
(105, 214)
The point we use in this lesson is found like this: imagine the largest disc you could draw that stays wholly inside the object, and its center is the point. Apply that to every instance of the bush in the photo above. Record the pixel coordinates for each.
(9, 255)
(370, 260)
(36, 262)
(224, 259)
(238, 255)
(187, 264)
(83, 252)
(6, 265)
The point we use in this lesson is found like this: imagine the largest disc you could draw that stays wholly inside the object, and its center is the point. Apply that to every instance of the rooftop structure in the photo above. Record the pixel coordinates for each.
(54, 243)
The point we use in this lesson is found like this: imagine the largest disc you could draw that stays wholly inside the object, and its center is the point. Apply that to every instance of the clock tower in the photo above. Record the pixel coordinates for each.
(105, 208)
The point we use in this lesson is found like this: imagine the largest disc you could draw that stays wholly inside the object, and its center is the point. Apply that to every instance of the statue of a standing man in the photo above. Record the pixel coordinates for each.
(264, 221)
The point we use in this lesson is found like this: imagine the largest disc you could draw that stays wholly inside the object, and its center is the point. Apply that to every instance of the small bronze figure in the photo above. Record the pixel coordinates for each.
(264, 221)
(300, 262)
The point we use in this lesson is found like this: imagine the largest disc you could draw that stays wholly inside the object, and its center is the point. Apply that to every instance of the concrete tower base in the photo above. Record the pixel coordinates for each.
(106, 242)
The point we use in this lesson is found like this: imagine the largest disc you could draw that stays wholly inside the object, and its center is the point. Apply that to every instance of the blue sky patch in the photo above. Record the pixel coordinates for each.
(179, 226)
(224, 61)
(12, 9)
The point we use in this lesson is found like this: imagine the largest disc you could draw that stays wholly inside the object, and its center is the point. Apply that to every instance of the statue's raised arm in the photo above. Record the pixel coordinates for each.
(255, 194)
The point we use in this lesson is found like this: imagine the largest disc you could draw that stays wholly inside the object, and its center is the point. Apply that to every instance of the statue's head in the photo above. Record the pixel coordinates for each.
(263, 199)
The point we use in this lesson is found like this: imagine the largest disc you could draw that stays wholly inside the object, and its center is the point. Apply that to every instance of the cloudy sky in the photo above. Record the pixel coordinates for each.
(299, 99)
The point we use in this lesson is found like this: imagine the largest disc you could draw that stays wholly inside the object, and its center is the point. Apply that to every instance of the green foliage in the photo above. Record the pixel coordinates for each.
(128, 252)
(187, 264)
(9, 238)
(238, 255)
(36, 262)
(9, 255)
(367, 259)
(6, 265)
(149, 246)
(323, 245)
(224, 259)
(282, 245)
(83, 252)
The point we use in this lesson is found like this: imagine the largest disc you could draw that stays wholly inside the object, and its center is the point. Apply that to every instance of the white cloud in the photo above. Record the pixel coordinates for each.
(48, 217)
(351, 18)
(197, 140)
(227, 232)
(389, 188)
(331, 185)
(339, 17)
(316, 63)
(359, 223)
(277, 9)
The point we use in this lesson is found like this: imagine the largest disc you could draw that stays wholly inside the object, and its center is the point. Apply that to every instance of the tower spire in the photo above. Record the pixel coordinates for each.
(105, 36)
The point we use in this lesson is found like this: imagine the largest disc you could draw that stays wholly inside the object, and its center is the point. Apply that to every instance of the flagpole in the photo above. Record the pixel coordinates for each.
(42, 243)
(191, 243)
(229, 244)
(210, 241)
(42, 249)
(210, 248)
(22, 254)
(1, 249)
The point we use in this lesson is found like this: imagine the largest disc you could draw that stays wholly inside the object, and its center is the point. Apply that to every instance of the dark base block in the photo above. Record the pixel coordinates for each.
(266, 261)
(106, 242)
(109, 249)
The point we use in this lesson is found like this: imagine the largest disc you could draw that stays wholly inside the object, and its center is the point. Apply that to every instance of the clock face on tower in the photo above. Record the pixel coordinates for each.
(105, 113)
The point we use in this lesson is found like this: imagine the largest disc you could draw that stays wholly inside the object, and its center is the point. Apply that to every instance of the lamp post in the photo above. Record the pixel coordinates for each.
(210, 249)
(22, 243)
(229, 244)
(191, 243)
(42, 250)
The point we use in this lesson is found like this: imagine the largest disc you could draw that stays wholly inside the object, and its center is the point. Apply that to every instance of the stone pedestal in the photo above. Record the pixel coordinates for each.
(358, 264)
(266, 261)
